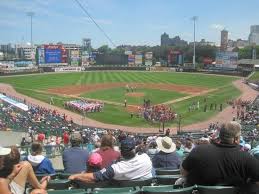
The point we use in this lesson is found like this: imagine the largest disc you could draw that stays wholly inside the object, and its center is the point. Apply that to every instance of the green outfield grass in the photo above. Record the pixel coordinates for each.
(36, 86)
(119, 94)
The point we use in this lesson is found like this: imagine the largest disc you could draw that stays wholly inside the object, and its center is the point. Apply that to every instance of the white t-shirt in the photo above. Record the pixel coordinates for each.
(139, 167)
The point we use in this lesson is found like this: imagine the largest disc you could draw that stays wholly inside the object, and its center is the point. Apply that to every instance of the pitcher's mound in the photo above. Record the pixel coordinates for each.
(135, 94)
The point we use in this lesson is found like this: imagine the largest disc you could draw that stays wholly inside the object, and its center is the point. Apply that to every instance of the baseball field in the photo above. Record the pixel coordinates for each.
(176, 90)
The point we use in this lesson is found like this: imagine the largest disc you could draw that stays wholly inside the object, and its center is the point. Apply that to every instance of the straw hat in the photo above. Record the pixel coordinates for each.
(165, 144)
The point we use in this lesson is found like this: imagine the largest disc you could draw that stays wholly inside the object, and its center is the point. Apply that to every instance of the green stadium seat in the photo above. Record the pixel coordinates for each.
(166, 179)
(216, 189)
(40, 176)
(59, 184)
(125, 190)
(72, 191)
(166, 190)
(63, 175)
(166, 171)
(82, 185)
(133, 183)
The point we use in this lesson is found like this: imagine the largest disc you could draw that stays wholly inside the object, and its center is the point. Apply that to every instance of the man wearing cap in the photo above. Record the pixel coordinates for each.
(134, 166)
(221, 163)
(166, 157)
(75, 158)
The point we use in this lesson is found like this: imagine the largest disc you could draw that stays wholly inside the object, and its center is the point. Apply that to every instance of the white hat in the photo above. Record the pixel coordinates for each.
(5, 151)
(165, 144)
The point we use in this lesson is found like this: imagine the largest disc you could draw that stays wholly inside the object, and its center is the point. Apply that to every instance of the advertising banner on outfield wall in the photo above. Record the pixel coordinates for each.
(148, 62)
(227, 59)
(139, 59)
(148, 55)
(41, 56)
(131, 60)
(74, 57)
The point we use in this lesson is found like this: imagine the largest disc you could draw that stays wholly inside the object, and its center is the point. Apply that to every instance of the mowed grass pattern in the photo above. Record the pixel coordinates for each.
(32, 85)
(119, 94)
(45, 81)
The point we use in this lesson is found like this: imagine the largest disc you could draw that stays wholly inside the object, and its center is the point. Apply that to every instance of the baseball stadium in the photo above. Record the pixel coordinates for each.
(96, 102)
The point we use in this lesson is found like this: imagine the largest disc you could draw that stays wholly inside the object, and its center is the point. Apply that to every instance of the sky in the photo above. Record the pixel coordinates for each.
(134, 22)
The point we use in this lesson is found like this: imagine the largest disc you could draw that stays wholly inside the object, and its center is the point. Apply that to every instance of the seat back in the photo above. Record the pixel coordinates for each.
(124, 190)
(73, 191)
(165, 171)
(216, 189)
(132, 183)
(166, 179)
(58, 184)
(166, 189)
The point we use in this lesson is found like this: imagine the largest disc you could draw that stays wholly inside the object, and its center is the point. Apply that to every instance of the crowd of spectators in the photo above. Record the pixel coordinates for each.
(84, 106)
(158, 113)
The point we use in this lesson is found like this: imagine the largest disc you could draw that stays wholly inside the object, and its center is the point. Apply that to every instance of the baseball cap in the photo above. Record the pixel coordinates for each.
(5, 151)
(95, 159)
(128, 144)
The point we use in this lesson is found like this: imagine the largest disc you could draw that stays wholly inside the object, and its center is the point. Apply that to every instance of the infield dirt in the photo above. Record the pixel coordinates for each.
(80, 89)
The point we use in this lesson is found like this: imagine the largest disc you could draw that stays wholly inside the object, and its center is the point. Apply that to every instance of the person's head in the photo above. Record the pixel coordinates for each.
(8, 158)
(128, 148)
(36, 148)
(230, 133)
(165, 144)
(178, 144)
(94, 162)
(76, 139)
(107, 141)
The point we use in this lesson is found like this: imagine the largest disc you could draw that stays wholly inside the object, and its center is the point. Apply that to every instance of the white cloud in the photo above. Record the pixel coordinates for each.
(217, 26)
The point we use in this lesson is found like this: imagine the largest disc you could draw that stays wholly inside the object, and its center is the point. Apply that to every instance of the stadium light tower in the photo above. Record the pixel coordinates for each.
(31, 14)
(194, 19)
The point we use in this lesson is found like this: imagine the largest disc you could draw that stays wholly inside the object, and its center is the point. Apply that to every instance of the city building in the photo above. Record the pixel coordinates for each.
(176, 41)
(239, 43)
(254, 35)
(203, 42)
(224, 40)
(25, 51)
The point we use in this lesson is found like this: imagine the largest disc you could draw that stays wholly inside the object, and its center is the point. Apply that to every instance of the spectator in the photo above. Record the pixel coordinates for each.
(108, 154)
(166, 157)
(75, 158)
(94, 162)
(221, 163)
(152, 149)
(41, 137)
(40, 164)
(189, 145)
(14, 175)
(65, 139)
(179, 149)
(134, 166)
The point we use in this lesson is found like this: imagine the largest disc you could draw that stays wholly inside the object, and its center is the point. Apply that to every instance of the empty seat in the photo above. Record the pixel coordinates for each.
(166, 179)
(166, 171)
(216, 189)
(166, 189)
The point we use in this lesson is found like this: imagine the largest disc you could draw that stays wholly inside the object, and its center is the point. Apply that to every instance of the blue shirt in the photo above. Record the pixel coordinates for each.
(166, 160)
(75, 160)
(45, 167)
